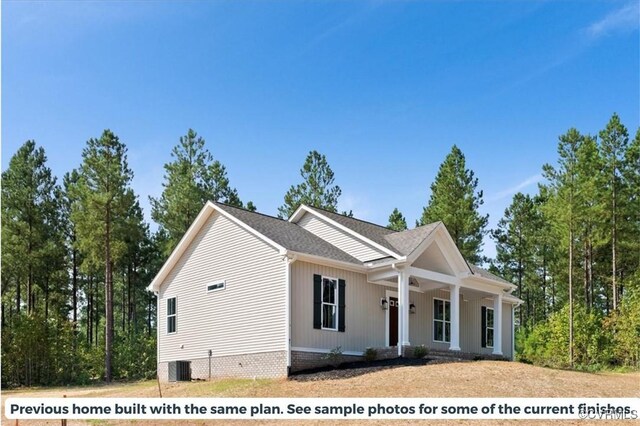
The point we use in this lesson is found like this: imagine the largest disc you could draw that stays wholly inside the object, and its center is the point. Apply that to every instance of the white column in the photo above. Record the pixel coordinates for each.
(454, 295)
(497, 325)
(403, 312)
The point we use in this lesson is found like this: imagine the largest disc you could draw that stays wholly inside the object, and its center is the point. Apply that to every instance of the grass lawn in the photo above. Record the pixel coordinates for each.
(466, 379)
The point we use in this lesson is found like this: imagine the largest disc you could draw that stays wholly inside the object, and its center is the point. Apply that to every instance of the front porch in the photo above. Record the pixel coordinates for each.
(456, 314)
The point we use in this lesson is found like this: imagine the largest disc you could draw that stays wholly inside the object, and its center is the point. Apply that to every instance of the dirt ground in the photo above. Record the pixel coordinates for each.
(465, 379)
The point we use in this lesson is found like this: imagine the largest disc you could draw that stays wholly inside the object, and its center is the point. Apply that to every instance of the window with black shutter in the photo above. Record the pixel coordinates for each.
(328, 303)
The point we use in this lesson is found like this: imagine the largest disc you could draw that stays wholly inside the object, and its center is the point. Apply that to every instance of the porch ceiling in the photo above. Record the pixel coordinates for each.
(440, 282)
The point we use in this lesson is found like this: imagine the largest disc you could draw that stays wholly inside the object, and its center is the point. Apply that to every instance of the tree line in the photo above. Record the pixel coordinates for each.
(77, 254)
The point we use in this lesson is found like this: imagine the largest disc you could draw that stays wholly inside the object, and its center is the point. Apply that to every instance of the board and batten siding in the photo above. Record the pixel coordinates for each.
(339, 238)
(470, 323)
(248, 316)
(366, 323)
(364, 320)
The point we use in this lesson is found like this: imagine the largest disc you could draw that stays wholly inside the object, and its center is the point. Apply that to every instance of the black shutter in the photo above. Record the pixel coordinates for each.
(341, 292)
(483, 323)
(317, 301)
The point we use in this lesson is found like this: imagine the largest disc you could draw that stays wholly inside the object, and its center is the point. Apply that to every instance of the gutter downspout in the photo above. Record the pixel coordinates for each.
(157, 331)
(513, 332)
(288, 260)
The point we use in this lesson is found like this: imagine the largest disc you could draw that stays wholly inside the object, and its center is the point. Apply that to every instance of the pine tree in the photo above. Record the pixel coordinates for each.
(455, 202)
(28, 209)
(191, 179)
(631, 174)
(613, 143)
(104, 199)
(32, 257)
(68, 200)
(561, 206)
(588, 209)
(251, 207)
(316, 189)
(515, 239)
(397, 222)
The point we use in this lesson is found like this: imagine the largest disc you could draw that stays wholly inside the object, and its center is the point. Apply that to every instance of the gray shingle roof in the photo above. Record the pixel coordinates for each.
(295, 238)
(405, 242)
(288, 235)
(486, 274)
(375, 233)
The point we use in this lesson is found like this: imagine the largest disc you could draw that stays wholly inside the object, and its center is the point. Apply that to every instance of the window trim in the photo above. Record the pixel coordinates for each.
(443, 321)
(335, 304)
(216, 283)
(174, 315)
(486, 327)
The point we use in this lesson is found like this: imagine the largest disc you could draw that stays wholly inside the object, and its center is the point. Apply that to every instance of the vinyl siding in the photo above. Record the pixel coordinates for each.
(339, 238)
(366, 323)
(248, 316)
(470, 325)
(364, 320)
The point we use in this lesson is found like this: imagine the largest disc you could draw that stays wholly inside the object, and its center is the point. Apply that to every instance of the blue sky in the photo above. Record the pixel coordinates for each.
(382, 88)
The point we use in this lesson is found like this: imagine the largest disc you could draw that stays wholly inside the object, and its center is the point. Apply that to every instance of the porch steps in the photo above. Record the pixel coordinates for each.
(461, 356)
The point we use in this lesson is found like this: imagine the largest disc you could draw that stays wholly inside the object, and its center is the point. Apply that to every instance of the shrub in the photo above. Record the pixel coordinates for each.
(334, 356)
(370, 354)
(624, 327)
(547, 342)
(420, 351)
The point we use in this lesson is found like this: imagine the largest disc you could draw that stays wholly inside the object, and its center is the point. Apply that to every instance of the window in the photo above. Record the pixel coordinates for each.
(219, 285)
(441, 320)
(171, 315)
(329, 303)
(487, 327)
(329, 296)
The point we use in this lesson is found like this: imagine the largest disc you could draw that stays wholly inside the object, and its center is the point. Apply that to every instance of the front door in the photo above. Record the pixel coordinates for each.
(393, 321)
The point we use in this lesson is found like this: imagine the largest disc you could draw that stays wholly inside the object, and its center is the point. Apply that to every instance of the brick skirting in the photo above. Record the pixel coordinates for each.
(307, 360)
(274, 364)
(259, 365)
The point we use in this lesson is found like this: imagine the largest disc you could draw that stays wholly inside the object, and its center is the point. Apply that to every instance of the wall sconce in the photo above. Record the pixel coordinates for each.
(384, 304)
(412, 308)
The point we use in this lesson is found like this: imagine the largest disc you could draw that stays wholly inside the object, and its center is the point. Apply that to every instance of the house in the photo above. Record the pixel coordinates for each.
(249, 295)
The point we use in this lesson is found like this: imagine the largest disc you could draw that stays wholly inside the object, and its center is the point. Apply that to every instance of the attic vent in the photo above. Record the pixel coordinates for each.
(220, 285)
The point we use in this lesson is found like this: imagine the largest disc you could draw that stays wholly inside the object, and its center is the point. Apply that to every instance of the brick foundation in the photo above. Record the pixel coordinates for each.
(387, 353)
(307, 360)
(259, 365)
(274, 364)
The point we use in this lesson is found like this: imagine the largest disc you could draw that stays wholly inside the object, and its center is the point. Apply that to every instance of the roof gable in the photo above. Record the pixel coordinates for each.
(278, 233)
(367, 232)
(288, 235)
(440, 236)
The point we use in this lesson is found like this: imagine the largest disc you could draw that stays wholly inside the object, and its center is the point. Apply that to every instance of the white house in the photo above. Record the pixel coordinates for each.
(249, 295)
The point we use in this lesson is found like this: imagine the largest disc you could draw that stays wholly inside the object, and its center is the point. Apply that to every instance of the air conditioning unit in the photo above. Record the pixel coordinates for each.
(179, 371)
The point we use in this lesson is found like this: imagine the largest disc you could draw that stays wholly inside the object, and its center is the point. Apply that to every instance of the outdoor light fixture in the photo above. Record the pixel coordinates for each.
(412, 308)
(383, 303)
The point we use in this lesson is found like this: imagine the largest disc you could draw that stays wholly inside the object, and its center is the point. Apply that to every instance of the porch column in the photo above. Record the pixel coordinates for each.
(497, 325)
(454, 296)
(403, 314)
